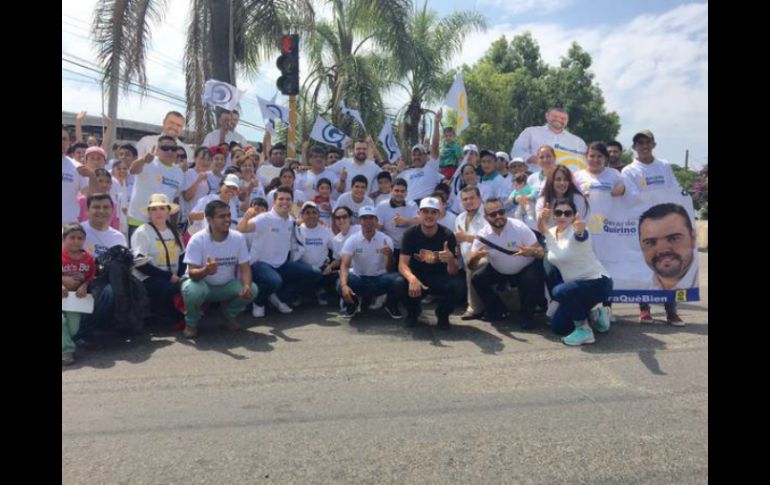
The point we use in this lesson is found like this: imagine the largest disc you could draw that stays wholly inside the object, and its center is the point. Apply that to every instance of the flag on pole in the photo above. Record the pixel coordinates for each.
(389, 141)
(351, 112)
(328, 134)
(217, 93)
(457, 99)
(270, 110)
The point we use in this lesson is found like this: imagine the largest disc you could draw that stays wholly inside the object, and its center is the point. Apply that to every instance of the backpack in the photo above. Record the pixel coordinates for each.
(131, 300)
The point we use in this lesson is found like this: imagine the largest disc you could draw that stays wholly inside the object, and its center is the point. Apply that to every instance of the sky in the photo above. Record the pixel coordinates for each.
(650, 59)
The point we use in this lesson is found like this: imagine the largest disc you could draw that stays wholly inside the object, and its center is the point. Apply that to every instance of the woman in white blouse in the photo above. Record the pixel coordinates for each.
(585, 283)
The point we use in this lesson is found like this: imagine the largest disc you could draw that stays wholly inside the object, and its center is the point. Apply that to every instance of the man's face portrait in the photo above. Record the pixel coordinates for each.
(667, 245)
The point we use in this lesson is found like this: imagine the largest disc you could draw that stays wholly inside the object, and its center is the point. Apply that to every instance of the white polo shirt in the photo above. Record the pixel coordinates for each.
(448, 221)
(155, 178)
(514, 233)
(307, 182)
(267, 172)
(641, 177)
(229, 254)
(385, 215)
(494, 187)
(98, 242)
(316, 244)
(604, 182)
(368, 169)
(420, 182)
(531, 139)
(346, 200)
(339, 240)
(368, 258)
(272, 239)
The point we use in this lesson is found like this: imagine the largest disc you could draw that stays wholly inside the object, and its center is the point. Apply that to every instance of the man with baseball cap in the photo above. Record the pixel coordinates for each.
(424, 174)
(363, 271)
(647, 173)
(428, 265)
(316, 242)
(228, 193)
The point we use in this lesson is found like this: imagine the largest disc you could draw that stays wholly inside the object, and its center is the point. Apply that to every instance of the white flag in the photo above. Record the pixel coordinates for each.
(351, 112)
(270, 110)
(389, 141)
(458, 99)
(328, 134)
(270, 126)
(217, 93)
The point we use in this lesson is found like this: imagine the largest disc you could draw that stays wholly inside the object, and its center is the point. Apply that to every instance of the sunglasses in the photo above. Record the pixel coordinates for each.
(560, 213)
(168, 148)
(498, 213)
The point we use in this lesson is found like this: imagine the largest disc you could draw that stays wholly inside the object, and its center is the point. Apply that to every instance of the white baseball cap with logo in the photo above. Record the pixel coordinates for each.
(430, 203)
(366, 210)
(232, 180)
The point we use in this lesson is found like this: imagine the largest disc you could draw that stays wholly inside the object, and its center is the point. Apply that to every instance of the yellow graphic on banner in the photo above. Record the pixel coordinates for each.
(462, 111)
(574, 161)
(681, 295)
(595, 223)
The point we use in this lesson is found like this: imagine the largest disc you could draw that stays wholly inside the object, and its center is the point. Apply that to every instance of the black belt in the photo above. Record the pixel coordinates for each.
(495, 246)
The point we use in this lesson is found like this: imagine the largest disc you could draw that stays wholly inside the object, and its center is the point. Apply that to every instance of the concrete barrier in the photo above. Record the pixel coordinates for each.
(702, 230)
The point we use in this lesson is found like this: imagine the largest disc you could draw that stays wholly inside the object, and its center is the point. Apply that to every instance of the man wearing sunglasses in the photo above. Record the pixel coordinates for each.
(155, 173)
(513, 254)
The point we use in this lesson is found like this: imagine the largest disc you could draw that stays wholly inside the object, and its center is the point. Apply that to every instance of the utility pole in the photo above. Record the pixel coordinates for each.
(686, 159)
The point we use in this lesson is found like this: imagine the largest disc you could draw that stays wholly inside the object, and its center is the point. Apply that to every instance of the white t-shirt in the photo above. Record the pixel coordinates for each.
(641, 177)
(381, 198)
(531, 139)
(145, 144)
(604, 182)
(98, 242)
(368, 258)
(145, 241)
(200, 206)
(448, 221)
(575, 259)
(71, 183)
(228, 254)
(156, 178)
(316, 244)
(385, 215)
(204, 188)
(514, 233)
(272, 238)
(346, 200)
(339, 240)
(476, 224)
(267, 172)
(495, 187)
(369, 169)
(212, 139)
(307, 182)
(420, 182)
(536, 181)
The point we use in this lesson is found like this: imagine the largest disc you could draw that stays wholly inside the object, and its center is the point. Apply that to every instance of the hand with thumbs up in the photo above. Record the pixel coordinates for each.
(545, 214)
(386, 251)
(446, 255)
(343, 175)
(400, 220)
(579, 225)
(211, 266)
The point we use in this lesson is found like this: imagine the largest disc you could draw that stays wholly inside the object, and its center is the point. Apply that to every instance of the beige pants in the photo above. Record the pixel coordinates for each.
(475, 305)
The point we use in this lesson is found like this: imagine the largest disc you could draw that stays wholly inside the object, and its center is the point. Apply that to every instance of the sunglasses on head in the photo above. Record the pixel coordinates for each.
(497, 213)
(167, 148)
(560, 213)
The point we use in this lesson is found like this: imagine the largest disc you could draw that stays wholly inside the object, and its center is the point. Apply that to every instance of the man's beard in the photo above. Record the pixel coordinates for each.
(673, 270)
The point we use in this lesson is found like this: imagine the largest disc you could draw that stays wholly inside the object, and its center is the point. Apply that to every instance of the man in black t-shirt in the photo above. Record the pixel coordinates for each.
(427, 265)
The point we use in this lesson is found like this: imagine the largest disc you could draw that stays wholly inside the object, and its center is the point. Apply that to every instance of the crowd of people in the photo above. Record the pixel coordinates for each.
(227, 224)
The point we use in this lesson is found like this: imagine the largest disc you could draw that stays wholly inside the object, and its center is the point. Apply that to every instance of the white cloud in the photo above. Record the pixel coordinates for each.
(517, 7)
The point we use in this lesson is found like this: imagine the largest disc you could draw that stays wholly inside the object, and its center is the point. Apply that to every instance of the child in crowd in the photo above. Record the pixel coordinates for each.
(523, 197)
(384, 181)
(103, 186)
(77, 271)
(323, 200)
(451, 153)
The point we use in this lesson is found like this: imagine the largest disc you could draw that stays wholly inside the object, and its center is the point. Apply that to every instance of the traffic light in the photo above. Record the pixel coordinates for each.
(288, 63)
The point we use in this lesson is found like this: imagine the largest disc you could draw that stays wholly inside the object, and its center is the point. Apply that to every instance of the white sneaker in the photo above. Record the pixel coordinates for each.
(277, 303)
(258, 311)
(378, 302)
(553, 305)
(612, 315)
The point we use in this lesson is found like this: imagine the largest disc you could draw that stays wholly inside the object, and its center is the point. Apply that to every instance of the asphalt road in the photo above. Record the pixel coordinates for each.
(312, 398)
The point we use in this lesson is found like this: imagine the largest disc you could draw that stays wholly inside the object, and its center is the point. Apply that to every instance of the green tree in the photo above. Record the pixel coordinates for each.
(122, 30)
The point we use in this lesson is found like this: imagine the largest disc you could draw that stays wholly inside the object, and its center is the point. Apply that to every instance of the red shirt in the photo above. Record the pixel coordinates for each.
(85, 266)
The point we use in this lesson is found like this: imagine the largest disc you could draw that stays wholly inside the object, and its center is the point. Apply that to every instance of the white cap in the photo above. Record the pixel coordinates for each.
(310, 204)
(232, 180)
(420, 147)
(430, 203)
(503, 155)
(517, 160)
(366, 211)
(472, 148)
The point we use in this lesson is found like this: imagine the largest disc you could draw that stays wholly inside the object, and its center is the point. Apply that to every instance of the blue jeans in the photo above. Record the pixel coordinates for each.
(371, 286)
(450, 289)
(288, 281)
(161, 292)
(576, 299)
(103, 307)
(529, 281)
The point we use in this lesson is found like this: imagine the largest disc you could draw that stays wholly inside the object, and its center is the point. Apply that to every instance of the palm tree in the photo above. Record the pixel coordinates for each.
(421, 68)
(222, 34)
(348, 55)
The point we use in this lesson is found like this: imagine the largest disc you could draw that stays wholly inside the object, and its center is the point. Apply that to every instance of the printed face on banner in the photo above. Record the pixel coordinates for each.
(668, 244)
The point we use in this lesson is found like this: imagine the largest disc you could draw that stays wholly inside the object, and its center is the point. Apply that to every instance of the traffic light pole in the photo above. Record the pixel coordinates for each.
(292, 126)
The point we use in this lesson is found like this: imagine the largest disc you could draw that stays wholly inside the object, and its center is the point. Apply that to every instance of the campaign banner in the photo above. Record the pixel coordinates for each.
(570, 158)
(647, 243)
